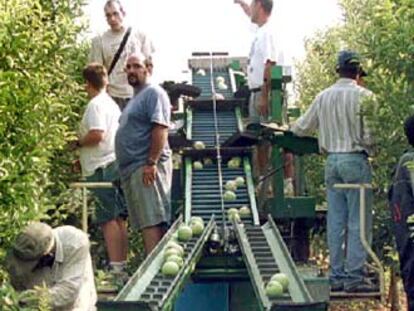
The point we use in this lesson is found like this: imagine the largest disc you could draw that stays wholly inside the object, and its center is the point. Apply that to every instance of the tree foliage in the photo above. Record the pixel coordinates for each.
(382, 31)
(40, 61)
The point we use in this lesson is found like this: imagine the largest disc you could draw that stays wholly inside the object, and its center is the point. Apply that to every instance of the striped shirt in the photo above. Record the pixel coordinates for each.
(336, 114)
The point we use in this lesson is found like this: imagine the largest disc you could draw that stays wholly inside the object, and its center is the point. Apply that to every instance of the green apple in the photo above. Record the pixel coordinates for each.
(199, 145)
(282, 279)
(170, 268)
(229, 196)
(244, 211)
(274, 289)
(197, 228)
(185, 233)
(239, 181)
(175, 245)
(207, 161)
(197, 218)
(231, 185)
(197, 165)
(171, 251)
(177, 259)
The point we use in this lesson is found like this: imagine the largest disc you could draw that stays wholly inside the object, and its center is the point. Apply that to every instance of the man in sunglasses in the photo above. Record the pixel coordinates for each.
(56, 258)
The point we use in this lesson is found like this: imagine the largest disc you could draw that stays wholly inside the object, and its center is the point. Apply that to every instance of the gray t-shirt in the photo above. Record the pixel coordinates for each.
(133, 138)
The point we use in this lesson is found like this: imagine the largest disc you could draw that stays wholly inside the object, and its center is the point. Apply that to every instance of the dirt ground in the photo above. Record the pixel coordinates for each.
(369, 305)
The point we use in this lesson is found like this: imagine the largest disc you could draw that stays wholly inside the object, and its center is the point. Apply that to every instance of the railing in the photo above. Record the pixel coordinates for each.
(362, 233)
(84, 186)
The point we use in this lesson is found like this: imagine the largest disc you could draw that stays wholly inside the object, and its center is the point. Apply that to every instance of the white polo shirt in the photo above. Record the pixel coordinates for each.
(263, 49)
(101, 113)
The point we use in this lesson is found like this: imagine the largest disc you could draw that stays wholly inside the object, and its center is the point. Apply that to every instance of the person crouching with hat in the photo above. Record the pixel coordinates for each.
(57, 259)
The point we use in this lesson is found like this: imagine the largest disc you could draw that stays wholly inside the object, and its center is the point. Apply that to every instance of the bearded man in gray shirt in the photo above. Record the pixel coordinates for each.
(144, 156)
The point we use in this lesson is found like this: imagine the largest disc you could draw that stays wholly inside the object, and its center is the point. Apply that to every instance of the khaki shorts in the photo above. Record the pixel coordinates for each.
(149, 205)
(254, 115)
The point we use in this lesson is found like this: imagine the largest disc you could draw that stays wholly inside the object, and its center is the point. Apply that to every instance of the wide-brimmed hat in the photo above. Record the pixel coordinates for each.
(35, 241)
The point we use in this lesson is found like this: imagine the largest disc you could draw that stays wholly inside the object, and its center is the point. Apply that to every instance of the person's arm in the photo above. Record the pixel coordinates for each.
(159, 136)
(245, 7)
(159, 113)
(367, 137)
(95, 123)
(308, 122)
(92, 138)
(66, 290)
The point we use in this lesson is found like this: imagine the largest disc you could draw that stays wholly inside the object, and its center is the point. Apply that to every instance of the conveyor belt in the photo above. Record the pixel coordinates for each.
(265, 254)
(148, 288)
(203, 126)
(204, 83)
(203, 198)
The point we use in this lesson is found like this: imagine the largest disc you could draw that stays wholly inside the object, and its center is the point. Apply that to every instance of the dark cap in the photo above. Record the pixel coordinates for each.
(347, 58)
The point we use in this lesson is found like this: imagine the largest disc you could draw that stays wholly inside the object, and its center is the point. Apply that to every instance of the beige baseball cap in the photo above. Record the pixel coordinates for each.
(30, 245)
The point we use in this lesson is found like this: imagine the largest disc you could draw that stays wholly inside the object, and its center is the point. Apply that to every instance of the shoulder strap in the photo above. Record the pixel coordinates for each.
(120, 49)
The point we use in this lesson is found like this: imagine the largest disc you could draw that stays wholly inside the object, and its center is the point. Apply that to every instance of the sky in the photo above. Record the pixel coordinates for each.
(181, 27)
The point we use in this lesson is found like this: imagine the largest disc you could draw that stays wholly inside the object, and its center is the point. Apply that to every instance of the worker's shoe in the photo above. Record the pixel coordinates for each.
(120, 277)
(365, 286)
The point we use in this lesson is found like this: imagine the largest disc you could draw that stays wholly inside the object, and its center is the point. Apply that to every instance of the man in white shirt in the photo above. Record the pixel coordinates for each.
(105, 46)
(261, 59)
(97, 156)
(58, 259)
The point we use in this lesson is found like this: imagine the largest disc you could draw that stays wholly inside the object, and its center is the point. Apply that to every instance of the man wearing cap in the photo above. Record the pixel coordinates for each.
(344, 135)
(57, 258)
(105, 47)
(144, 156)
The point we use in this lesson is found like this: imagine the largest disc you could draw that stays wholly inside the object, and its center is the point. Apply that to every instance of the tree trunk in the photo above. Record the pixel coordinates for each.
(393, 295)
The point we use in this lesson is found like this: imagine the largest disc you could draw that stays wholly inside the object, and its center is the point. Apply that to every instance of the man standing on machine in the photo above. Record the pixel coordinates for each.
(261, 59)
(113, 47)
(345, 136)
(144, 155)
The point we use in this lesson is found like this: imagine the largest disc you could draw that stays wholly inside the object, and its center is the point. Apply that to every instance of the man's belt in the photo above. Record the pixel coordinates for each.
(255, 90)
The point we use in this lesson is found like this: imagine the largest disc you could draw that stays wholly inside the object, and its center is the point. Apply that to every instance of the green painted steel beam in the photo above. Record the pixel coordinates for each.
(295, 144)
(188, 183)
(252, 268)
(297, 288)
(148, 269)
(251, 190)
(292, 207)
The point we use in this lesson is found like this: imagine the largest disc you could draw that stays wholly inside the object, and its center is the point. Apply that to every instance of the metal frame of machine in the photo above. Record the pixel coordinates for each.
(230, 251)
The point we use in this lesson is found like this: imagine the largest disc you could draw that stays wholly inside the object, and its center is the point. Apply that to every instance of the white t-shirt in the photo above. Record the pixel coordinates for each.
(103, 51)
(263, 49)
(101, 113)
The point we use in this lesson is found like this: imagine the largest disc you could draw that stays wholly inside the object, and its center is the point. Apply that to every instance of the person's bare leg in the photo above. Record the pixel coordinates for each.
(263, 154)
(151, 236)
(114, 241)
(123, 232)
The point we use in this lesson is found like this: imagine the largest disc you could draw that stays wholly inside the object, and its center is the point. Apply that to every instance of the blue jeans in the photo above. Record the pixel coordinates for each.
(344, 217)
